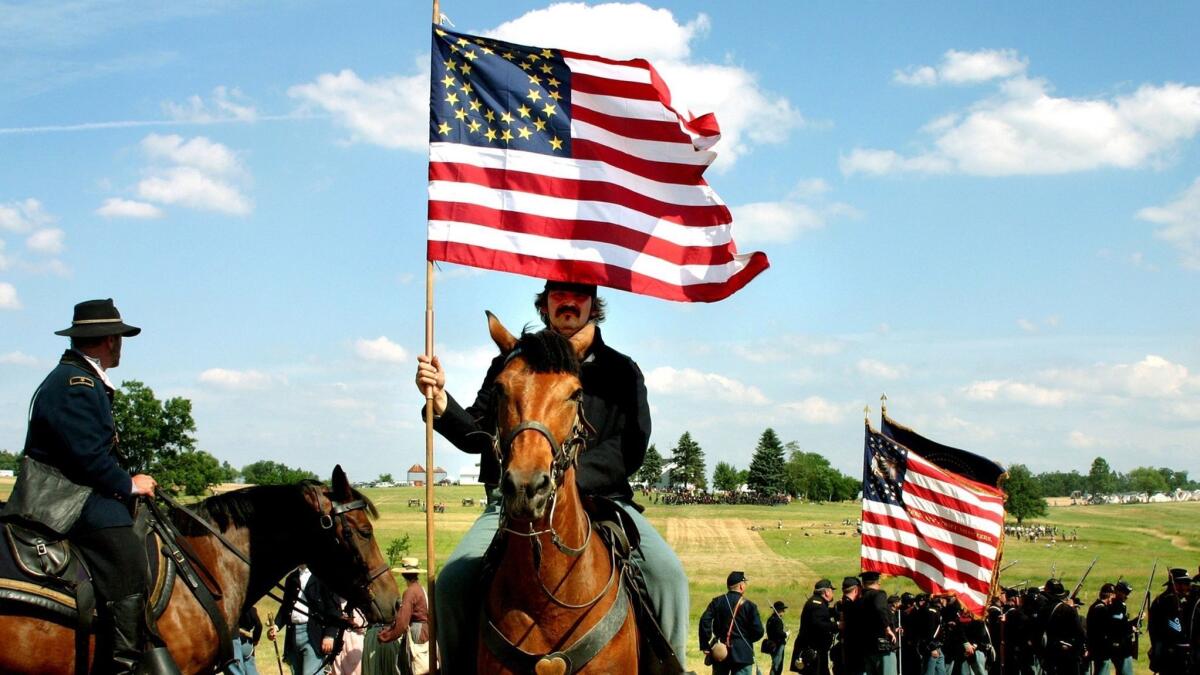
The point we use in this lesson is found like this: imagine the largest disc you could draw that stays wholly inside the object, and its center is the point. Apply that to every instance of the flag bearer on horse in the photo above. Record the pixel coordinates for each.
(618, 417)
(71, 483)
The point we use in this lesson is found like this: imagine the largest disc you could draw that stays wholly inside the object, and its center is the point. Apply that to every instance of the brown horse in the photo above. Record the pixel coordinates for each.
(556, 603)
(276, 528)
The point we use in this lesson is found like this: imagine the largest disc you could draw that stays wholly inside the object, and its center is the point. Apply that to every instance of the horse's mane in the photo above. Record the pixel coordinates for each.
(238, 507)
(547, 352)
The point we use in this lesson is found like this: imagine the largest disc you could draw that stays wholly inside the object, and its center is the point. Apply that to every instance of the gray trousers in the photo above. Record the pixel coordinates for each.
(879, 663)
(1123, 665)
(459, 597)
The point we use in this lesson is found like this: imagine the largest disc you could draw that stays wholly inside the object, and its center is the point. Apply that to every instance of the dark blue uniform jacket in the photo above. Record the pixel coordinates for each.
(747, 627)
(614, 403)
(71, 428)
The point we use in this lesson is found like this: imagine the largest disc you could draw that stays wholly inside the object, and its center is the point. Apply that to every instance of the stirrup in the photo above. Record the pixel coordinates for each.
(158, 661)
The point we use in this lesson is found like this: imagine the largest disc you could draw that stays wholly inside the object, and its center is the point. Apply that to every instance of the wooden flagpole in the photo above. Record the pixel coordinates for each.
(430, 576)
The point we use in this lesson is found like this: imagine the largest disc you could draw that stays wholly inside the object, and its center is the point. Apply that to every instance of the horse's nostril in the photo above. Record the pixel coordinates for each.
(544, 483)
(508, 486)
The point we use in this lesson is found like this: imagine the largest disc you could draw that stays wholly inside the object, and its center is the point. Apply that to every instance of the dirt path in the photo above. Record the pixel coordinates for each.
(1176, 541)
(710, 548)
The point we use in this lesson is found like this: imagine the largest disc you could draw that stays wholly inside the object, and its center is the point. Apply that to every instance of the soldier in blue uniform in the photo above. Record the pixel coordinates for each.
(72, 436)
(734, 621)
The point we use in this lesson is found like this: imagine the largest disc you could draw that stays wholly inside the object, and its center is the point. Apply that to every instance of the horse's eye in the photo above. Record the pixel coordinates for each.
(576, 396)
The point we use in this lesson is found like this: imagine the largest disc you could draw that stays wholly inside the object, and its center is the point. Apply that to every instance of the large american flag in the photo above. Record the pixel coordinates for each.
(923, 521)
(572, 167)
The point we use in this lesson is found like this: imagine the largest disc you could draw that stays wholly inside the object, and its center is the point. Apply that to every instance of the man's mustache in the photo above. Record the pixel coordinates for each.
(567, 308)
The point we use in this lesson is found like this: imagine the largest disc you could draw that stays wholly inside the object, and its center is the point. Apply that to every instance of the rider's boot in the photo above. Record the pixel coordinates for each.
(127, 619)
(129, 639)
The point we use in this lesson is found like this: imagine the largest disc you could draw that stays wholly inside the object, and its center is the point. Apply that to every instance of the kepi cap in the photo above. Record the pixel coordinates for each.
(823, 584)
(735, 577)
(1178, 575)
(1054, 588)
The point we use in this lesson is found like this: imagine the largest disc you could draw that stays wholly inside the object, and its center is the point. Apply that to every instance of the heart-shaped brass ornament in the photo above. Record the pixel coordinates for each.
(551, 665)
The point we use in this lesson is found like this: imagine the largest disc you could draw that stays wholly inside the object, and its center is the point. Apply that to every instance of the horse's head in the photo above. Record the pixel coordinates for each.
(344, 553)
(539, 421)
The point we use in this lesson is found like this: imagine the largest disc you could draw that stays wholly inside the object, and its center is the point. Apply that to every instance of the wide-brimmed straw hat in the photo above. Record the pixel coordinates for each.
(98, 318)
(409, 566)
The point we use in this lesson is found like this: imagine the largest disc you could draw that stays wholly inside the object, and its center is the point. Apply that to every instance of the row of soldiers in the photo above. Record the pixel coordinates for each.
(1036, 631)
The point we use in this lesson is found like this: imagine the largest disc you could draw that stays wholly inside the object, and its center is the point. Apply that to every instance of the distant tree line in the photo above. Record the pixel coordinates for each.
(776, 468)
(1101, 479)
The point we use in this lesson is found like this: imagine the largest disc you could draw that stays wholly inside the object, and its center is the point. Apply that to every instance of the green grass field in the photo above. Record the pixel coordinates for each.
(785, 549)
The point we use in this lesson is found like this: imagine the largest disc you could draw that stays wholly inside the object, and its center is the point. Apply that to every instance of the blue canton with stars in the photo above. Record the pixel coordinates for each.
(492, 94)
(884, 466)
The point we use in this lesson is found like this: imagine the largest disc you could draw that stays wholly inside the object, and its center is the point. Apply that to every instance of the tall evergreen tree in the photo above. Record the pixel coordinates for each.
(652, 467)
(689, 463)
(767, 468)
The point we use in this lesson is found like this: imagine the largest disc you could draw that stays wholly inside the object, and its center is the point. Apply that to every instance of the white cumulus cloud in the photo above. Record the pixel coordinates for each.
(195, 173)
(380, 349)
(1152, 377)
(18, 359)
(236, 379)
(959, 67)
(48, 241)
(8, 296)
(225, 104)
(23, 216)
(199, 153)
(692, 383)
(816, 410)
(391, 111)
(1025, 129)
(879, 369)
(191, 187)
(1181, 224)
(115, 207)
(1016, 392)
(773, 222)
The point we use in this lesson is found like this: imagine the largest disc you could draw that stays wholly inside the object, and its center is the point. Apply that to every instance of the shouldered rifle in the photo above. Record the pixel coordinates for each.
(1137, 624)
(1075, 592)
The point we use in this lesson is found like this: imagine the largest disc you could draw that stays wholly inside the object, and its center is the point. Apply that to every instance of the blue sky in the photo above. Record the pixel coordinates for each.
(989, 212)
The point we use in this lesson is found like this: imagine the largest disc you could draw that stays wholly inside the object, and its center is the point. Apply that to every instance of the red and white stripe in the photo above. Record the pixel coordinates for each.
(946, 537)
(629, 208)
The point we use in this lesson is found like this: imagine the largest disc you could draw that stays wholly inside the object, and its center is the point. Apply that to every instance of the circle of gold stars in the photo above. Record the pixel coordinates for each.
(505, 127)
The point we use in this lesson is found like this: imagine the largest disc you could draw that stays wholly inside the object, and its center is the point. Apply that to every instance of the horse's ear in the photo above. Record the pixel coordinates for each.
(341, 484)
(500, 335)
(582, 339)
